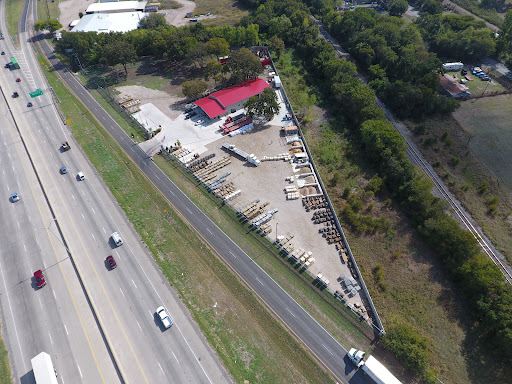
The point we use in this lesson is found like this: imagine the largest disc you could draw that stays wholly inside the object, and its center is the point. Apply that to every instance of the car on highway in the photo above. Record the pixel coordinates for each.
(18, 80)
(15, 95)
(80, 175)
(111, 262)
(15, 197)
(39, 277)
(8, 65)
(65, 146)
(3, 53)
(29, 104)
(164, 317)
(63, 170)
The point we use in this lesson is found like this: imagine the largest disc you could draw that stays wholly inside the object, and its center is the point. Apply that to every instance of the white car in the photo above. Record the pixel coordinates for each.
(81, 176)
(164, 317)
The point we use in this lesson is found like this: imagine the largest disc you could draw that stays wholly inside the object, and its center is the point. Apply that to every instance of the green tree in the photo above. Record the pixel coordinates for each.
(265, 104)
(398, 7)
(119, 52)
(277, 45)
(218, 46)
(213, 70)
(244, 65)
(193, 88)
(198, 54)
(51, 24)
(153, 21)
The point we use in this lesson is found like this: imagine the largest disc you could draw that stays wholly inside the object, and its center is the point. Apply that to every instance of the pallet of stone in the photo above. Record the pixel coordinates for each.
(293, 195)
(233, 195)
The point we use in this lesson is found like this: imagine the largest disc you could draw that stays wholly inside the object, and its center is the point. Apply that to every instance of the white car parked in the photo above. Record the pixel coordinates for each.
(164, 317)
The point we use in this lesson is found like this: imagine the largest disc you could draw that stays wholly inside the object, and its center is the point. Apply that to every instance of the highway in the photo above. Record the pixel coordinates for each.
(312, 335)
(98, 325)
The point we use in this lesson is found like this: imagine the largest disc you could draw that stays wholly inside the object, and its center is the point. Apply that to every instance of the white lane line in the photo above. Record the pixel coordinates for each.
(51, 341)
(189, 211)
(51, 154)
(172, 193)
(12, 315)
(18, 224)
(121, 291)
(54, 294)
(62, 378)
(139, 325)
(232, 254)
(160, 367)
(41, 304)
(134, 283)
(290, 312)
(44, 264)
(83, 193)
(80, 371)
(209, 231)
(93, 211)
(151, 314)
(73, 196)
(82, 215)
(118, 255)
(66, 328)
(175, 357)
(104, 229)
(259, 281)
(93, 236)
(25, 247)
(327, 349)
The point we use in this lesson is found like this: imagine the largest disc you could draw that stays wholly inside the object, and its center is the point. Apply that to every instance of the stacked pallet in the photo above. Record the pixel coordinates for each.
(206, 173)
(332, 235)
(281, 156)
(301, 257)
(315, 202)
(322, 216)
(291, 192)
(179, 153)
(196, 165)
(253, 210)
(218, 182)
(265, 229)
(283, 242)
(264, 218)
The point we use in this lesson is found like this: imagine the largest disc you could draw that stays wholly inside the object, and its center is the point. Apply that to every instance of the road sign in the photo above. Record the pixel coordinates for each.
(36, 93)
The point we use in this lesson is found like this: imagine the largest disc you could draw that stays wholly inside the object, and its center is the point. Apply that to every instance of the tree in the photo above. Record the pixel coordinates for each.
(213, 69)
(119, 52)
(398, 7)
(153, 21)
(277, 45)
(198, 54)
(194, 88)
(51, 24)
(218, 46)
(265, 104)
(244, 65)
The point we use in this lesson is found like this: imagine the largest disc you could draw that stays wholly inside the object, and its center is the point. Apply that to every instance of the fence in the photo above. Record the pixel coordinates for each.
(379, 325)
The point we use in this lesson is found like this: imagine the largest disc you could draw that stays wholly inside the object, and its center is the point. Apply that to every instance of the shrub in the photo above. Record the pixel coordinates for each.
(484, 187)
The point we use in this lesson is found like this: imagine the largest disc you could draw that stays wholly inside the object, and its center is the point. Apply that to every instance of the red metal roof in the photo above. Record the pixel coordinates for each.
(216, 103)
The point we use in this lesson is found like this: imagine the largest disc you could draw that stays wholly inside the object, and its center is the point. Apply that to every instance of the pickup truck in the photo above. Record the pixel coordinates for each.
(65, 146)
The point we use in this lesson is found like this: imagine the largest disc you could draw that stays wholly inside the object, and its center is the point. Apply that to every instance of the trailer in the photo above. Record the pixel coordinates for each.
(372, 367)
(453, 66)
(44, 373)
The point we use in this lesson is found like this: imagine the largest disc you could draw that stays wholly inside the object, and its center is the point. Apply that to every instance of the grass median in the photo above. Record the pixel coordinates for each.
(249, 341)
(5, 367)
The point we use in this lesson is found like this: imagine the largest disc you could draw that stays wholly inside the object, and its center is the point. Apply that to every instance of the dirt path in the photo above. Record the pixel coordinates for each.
(176, 17)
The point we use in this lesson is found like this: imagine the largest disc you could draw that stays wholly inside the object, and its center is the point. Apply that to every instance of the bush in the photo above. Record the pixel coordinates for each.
(483, 187)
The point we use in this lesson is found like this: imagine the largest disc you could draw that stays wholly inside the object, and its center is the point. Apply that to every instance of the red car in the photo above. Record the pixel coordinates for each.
(18, 80)
(111, 262)
(40, 281)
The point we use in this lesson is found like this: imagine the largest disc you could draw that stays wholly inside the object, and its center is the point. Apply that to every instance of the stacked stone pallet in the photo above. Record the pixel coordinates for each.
(253, 210)
(264, 218)
(265, 229)
(316, 202)
(196, 165)
(218, 182)
(225, 190)
(322, 216)
(283, 242)
(281, 156)
(179, 153)
(207, 174)
(299, 256)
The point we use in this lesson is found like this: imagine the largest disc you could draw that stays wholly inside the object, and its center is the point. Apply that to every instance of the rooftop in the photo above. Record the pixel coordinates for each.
(118, 6)
(109, 22)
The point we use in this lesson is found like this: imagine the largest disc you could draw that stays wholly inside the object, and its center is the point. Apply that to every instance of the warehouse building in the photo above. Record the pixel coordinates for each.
(231, 99)
(116, 7)
(109, 22)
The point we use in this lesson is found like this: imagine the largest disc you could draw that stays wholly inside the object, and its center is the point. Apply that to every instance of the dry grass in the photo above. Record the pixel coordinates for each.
(225, 11)
(479, 135)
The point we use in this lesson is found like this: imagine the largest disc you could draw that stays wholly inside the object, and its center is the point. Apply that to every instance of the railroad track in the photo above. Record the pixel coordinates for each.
(418, 159)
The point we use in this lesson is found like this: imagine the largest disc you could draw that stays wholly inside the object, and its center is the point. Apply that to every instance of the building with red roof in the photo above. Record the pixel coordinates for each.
(231, 99)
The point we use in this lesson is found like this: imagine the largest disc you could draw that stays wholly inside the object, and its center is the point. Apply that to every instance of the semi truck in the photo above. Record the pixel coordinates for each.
(44, 373)
(372, 367)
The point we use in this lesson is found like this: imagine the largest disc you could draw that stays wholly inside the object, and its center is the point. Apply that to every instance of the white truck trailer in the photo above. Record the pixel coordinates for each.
(453, 66)
(372, 367)
(44, 373)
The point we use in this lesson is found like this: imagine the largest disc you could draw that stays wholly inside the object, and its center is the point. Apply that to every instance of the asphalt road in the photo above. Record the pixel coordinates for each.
(121, 338)
(312, 335)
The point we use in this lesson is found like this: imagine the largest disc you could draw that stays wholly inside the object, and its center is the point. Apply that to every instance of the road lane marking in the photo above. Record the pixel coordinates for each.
(259, 281)
(134, 283)
(73, 196)
(12, 315)
(80, 371)
(139, 325)
(290, 312)
(66, 328)
(44, 264)
(232, 254)
(54, 294)
(151, 314)
(172, 193)
(175, 357)
(18, 224)
(51, 341)
(121, 291)
(327, 349)
(104, 229)
(93, 236)
(93, 211)
(160, 367)
(25, 247)
(209, 231)
(82, 215)
(51, 154)
(189, 211)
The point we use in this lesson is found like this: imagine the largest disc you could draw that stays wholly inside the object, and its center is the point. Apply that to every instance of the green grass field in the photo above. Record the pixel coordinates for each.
(249, 341)
(13, 9)
(5, 367)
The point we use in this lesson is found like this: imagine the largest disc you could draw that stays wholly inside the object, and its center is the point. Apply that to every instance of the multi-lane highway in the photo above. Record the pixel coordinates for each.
(98, 325)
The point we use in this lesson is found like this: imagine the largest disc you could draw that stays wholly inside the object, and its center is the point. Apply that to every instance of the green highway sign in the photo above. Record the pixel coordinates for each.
(36, 93)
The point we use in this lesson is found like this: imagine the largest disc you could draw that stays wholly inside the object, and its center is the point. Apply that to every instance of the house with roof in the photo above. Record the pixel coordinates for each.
(231, 99)
(450, 87)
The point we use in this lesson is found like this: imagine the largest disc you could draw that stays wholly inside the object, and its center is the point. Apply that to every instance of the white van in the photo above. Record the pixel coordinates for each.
(81, 176)
(117, 239)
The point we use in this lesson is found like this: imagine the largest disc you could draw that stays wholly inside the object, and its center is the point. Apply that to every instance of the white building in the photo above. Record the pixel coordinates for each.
(116, 7)
(109, 22)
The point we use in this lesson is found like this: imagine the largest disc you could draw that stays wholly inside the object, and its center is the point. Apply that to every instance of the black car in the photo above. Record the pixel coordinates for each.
(8, 65)
(29, 104)
(3, 53)
(464, 72)
(15, 94)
